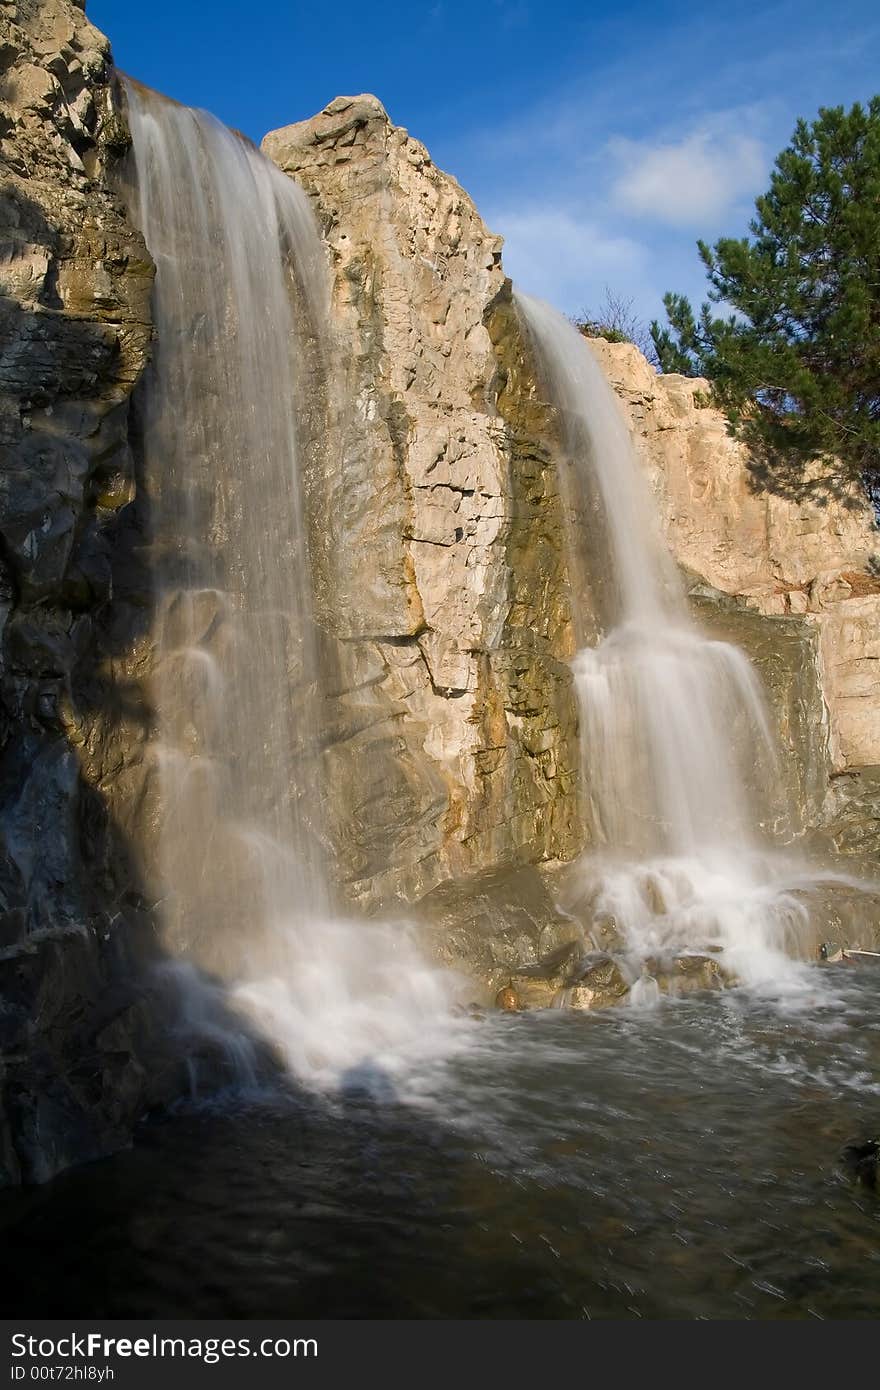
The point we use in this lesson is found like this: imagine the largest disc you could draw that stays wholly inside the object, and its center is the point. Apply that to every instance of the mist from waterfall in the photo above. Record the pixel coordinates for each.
(679, 759)
(241, 305)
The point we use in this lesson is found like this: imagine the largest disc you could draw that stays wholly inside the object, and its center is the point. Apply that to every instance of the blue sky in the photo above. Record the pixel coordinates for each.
(599, 142)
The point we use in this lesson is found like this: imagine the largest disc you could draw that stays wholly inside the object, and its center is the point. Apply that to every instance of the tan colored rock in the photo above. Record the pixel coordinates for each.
(600, 987)
(423, 485)
(689, 974)
(453, 709)
(739, 539)
(850, 665)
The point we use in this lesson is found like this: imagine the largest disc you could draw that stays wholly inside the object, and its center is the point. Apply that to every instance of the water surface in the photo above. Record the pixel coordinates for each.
(676, 1163)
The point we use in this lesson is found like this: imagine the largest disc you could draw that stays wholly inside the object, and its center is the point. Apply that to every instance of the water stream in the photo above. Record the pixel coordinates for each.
(679, 757)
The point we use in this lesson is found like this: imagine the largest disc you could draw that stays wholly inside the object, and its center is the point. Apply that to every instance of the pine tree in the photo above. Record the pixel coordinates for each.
(796, 364)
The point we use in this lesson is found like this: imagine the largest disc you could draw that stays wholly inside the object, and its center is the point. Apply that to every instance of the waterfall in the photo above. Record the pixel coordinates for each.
(679, 758)
(241, 305)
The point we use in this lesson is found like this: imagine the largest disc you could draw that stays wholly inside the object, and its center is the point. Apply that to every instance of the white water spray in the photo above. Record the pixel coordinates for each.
(241, 308)
(679, 758)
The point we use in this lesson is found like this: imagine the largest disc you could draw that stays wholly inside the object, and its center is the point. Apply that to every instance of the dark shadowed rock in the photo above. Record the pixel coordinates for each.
(862, 1161)
(90, 1035)
(501, 928)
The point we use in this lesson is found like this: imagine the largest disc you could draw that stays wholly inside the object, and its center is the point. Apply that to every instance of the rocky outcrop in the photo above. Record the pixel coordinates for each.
(437, 531)
(794, 583)
(86, 1029)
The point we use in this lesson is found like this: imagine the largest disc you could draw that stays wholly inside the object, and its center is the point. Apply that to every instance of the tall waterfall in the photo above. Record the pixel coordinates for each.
(241, 308)
(679, 759)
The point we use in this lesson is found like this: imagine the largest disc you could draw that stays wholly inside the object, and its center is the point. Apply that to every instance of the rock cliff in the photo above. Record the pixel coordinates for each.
(85, 1044)
(438, 531)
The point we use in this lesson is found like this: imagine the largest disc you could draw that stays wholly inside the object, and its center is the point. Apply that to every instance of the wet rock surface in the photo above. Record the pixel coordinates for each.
(85, 1024)
(599, 984)
(502, 930)
(687, 974)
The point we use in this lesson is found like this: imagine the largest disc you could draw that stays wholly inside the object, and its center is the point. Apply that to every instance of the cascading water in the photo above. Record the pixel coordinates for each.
(679, 759)
(241, 308)
(234, 680)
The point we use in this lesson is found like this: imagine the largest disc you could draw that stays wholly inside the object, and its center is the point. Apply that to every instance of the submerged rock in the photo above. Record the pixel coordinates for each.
(862, 1161)
(498, 928)
(600, 985)
(688, 974)
(507, 999)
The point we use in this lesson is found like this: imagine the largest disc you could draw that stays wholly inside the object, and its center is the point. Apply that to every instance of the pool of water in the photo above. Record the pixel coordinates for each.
(679, 1162)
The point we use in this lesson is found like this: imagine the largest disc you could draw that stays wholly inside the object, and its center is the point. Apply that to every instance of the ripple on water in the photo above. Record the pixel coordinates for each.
(680, 1162)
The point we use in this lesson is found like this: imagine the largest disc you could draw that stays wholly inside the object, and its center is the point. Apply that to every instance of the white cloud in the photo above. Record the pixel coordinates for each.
(550, 252)
(687, 183)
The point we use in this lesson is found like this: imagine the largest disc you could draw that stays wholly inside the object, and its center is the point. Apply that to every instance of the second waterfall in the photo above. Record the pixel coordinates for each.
(680, 765)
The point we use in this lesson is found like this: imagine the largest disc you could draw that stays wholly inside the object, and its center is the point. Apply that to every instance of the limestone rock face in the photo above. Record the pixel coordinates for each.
(801, 587)
(82, 1053)
(437, 533)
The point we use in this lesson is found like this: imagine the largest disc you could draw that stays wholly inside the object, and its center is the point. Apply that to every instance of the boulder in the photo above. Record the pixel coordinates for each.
(501, 929)
(689, 974)
(599, 985)
(862, 1162)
